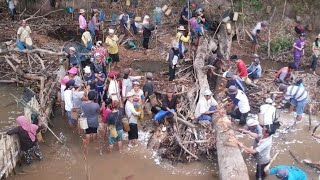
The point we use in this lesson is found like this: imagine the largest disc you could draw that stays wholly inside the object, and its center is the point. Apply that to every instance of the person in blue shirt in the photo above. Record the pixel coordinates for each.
(284, 172)
(234, 80)
(254, 70)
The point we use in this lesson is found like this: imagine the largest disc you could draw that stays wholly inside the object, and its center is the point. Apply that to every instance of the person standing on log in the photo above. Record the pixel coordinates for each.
(147, 28)
(24, 40)
(241, 66)
(262, 151)
(256, 35)
(170, 103)
(234, 80)
(148, 90)
(27, 138)
(255, 70)
(112, 46)
(132, 115)
(285, 74)
(82, 22)
(297, 96)
(240, 100)
(90, 110)
(316, 54)
(298, 50)
(206, 107)
(286, 172)
(181, 39)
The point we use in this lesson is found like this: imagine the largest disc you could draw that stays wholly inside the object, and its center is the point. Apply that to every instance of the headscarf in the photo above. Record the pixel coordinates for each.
(27, 126)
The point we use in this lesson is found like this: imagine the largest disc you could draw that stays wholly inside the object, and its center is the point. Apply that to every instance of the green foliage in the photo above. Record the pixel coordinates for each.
(280, 44)
(256, 5)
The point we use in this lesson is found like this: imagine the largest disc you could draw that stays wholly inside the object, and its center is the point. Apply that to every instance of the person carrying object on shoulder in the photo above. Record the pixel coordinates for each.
(297, 96)
(240, 100)
(206, 107)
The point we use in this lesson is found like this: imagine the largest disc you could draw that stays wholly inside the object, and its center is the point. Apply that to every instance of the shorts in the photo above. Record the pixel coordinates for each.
(133, 133)
(113, 140)
(70, 120)
(114, 57)
(299, 105)
(91, 130)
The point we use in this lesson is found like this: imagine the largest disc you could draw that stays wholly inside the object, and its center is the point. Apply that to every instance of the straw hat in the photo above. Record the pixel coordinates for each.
(111, 31)
(181, 28)
(82, 11)
(232, 90)
(252, 122)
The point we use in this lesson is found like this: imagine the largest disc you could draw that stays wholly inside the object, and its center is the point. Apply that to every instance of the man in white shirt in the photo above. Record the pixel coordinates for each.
(241, 101)
(11, 8)
(268, 112)
(132, 115)
(206, 106)
(127, 81)
(24, 36)
(255, 35)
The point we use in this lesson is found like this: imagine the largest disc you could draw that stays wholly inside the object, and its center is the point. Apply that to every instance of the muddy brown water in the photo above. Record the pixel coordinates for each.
(67, 161)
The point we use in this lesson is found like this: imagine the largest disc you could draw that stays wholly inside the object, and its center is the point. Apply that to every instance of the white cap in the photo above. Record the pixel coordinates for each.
(207, 92)
(252, 122)
(97, 54)
(87, 70)
(111, 31)
(269, 101)
(225, 74)
(136, 83)
(72, 49)
(99, 43)
(129, 94)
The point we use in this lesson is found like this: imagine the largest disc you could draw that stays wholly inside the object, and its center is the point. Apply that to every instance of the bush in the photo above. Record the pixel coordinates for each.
(281, 43)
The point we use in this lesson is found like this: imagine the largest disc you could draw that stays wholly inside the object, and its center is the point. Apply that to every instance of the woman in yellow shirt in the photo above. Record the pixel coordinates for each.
(112, 47)
(181, 39)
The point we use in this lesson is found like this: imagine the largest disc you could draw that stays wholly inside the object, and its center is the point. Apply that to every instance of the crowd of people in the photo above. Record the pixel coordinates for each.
(114, 102)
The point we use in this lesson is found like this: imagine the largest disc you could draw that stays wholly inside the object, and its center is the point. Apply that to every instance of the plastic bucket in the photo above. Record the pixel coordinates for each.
(83, 123)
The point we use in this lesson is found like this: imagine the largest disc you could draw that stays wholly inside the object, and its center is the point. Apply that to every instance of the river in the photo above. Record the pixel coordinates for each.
(67, 161)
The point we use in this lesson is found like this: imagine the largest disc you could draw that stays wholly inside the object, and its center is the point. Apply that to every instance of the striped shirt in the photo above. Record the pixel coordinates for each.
(297, 93)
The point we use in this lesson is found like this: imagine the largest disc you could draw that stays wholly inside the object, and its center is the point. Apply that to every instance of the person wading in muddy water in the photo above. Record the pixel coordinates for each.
(27, 137)
(114, 121)
(132, 115)
(296, 95)
(262, 151)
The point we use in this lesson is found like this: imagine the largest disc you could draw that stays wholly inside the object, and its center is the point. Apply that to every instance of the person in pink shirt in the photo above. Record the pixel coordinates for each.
(105, 110)
(241, 66)
(82, 21)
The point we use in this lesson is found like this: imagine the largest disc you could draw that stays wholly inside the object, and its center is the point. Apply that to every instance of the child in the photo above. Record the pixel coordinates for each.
(138, 98)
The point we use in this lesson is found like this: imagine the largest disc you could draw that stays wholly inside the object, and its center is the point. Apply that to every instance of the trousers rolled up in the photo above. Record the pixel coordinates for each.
(207, 117)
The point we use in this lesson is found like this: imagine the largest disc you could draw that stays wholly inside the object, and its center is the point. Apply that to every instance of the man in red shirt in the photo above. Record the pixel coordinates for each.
(241, 66)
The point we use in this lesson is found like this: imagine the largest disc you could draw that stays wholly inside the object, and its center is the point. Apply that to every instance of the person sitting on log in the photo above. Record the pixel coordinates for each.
(234, 80)
(256, 35)
(254, 130)
(255, 70)
(241, 67)
(181, 39)
(27, 137)
(170, 103)
(285, 172)
(206, 107)
(262, 151)
(297, 96)
(24, 40)
(240, 100)
(284, 75)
